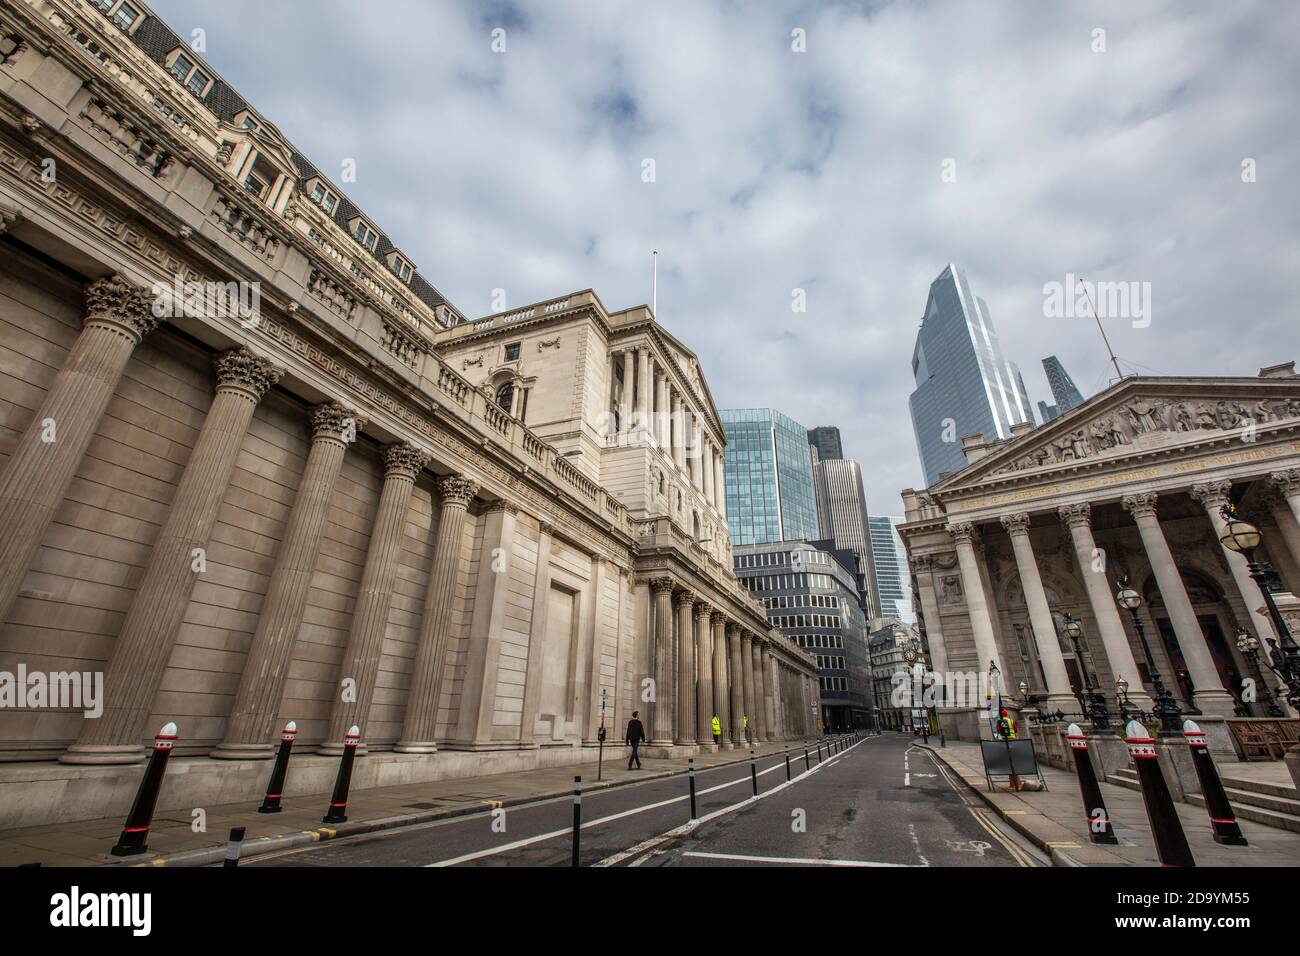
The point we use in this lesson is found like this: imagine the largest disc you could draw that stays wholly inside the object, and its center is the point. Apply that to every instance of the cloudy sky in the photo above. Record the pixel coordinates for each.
(821, 170)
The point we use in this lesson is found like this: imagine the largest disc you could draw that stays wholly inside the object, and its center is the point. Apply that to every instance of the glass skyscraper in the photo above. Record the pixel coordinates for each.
(768, 477)
(964, 384)
(893, 579)
(1063, 390)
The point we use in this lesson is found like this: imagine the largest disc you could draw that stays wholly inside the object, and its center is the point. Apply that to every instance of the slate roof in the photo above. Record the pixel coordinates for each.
(156, 39)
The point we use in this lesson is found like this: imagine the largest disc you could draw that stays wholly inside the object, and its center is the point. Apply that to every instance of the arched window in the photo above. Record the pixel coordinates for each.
(506, 396)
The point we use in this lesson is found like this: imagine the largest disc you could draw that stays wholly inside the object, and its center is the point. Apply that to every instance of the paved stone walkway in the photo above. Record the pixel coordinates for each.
(172, 840)
(1054, 821)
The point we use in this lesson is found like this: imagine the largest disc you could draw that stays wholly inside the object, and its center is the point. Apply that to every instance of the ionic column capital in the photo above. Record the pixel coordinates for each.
(1287, 481)
(333, 420)
(963, 531)
(404, 459)
(1141, 505)
(114, 301)
(457, 490)
(1211, 495)
(1016, 524)
(241, 370)
(1076, 516)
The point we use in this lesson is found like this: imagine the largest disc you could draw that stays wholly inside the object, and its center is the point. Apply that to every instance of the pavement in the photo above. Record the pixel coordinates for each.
(174, 840)
(1053, 821)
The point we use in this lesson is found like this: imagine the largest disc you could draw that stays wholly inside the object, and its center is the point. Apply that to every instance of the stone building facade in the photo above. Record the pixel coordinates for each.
(1129, 485)
(255, 468)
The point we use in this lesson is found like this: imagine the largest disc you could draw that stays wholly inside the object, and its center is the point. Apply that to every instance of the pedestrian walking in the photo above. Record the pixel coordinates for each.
(635, 734)
(745, 720)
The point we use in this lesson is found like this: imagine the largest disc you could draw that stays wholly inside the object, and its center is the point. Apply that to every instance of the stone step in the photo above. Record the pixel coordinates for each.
(1257, 814)
(1256, 786)
(1281, 811)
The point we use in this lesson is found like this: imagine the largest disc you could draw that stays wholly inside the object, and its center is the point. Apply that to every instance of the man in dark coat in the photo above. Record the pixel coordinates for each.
(635, 734)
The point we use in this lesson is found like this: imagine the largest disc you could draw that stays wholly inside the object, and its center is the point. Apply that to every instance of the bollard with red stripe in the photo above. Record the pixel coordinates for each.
(1171, 842)
(136, 832)
(339, 801)
(271, 802)
(1099, 827)
(1226, 829)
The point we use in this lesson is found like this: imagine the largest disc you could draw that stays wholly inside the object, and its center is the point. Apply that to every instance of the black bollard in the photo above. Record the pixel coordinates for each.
(234, 847)
(1222, 817)
(271, 802)
(787, 764)
(136, 831)
(819, 753)
(806, 765)
(577, 817)
(753, 772)
(690, 773)
(1171, 842)
(339, 801)
(1094, 806)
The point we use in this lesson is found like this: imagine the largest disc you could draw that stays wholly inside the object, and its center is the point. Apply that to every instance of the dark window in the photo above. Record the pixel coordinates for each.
(506, 395)
(512, 352)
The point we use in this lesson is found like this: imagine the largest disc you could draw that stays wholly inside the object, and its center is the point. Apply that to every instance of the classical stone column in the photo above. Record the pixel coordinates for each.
(720, 483)
(736, 679)
(922, 567)
(1288, 483)
(693, 452)
(747, 683)
(758, 720)
(626, 400)
(663, 418)
(420, 724)
(1209, 694)
(1212, 496)
(775, 723)
(360, 666)
(720, 675)
(986, 645)
(35, 479)
(250, 731)
(642, 417)
(706, 463)
(703, 676)
(661, 711)
(139, 656)
(1059, 694)
(677, 427)
(1078, 518)
(685, 691)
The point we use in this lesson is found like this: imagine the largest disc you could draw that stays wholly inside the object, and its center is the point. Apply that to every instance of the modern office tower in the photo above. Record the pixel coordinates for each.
(768, 477)
(842, 509)
(1048, 412)
(810, 591)
(892, 575)
(964, 384)
(826, 439)
(1063, 389)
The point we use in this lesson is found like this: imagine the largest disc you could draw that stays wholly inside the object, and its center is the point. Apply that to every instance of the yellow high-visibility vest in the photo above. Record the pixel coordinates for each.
(747, 720)
(717, 727)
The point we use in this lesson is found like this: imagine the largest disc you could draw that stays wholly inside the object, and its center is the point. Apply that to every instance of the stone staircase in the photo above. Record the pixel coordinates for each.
(1274, 805)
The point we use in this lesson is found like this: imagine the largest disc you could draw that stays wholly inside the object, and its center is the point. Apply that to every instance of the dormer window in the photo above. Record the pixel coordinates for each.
(246, 120)
(365, 234)
(125, 16)
(400, 267)
(197, 83)
(188, 74)
(181, 67)
(322, 197)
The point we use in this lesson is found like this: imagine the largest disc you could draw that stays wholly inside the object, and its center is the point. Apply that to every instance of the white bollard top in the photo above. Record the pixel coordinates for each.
(291, 727)
(1136, 731)
(169, 729)
(1191, 727)
(1074, 730)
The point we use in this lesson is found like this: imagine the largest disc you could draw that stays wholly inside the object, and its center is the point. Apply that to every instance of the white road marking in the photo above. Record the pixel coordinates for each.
(916, 843)
(788, 860)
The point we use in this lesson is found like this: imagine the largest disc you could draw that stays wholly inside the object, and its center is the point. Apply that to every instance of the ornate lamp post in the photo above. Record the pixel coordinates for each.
(1091, 700)
(1121, 690)
(1171, 721)
(1243, 537)
(1248, 644)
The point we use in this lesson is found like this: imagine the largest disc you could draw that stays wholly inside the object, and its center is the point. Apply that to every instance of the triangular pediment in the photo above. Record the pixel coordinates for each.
(1133, 418)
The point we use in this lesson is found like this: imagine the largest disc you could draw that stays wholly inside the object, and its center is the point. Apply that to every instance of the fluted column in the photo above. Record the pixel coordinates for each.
(139, 656)
(677, 425)
(1209, 694)
(1059, 694)
(685, 690)
(360, 667)
(720, 674)
(626, 399)
(775, 730)
(663, 421)
(693, 451)
(758, 720)
(706, 464)
(642, 417)
(747, 682)
(986, 645)
(703, 676)
(1288, 485)
(1212, 496)
(1078, 518)
(420, 724)
(736, 681)
(250, 731)
(719, 483)
(661, 711)
(35, 479)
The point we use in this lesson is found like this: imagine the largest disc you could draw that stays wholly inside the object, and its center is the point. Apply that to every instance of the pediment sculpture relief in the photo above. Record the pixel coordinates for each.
(1141, 417)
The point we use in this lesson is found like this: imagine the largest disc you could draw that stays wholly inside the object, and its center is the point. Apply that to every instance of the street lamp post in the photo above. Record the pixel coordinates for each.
(1091, 699)
(1243, 537)
(1248, 644)
(1171, 721)
(1121, 689)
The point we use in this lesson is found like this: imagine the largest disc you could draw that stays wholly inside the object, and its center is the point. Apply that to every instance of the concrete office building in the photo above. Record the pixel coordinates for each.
(810, 592)
(769, 482)
(964, 384)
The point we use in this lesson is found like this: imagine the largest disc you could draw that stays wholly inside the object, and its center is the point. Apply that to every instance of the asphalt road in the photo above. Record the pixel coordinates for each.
(881, 802)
